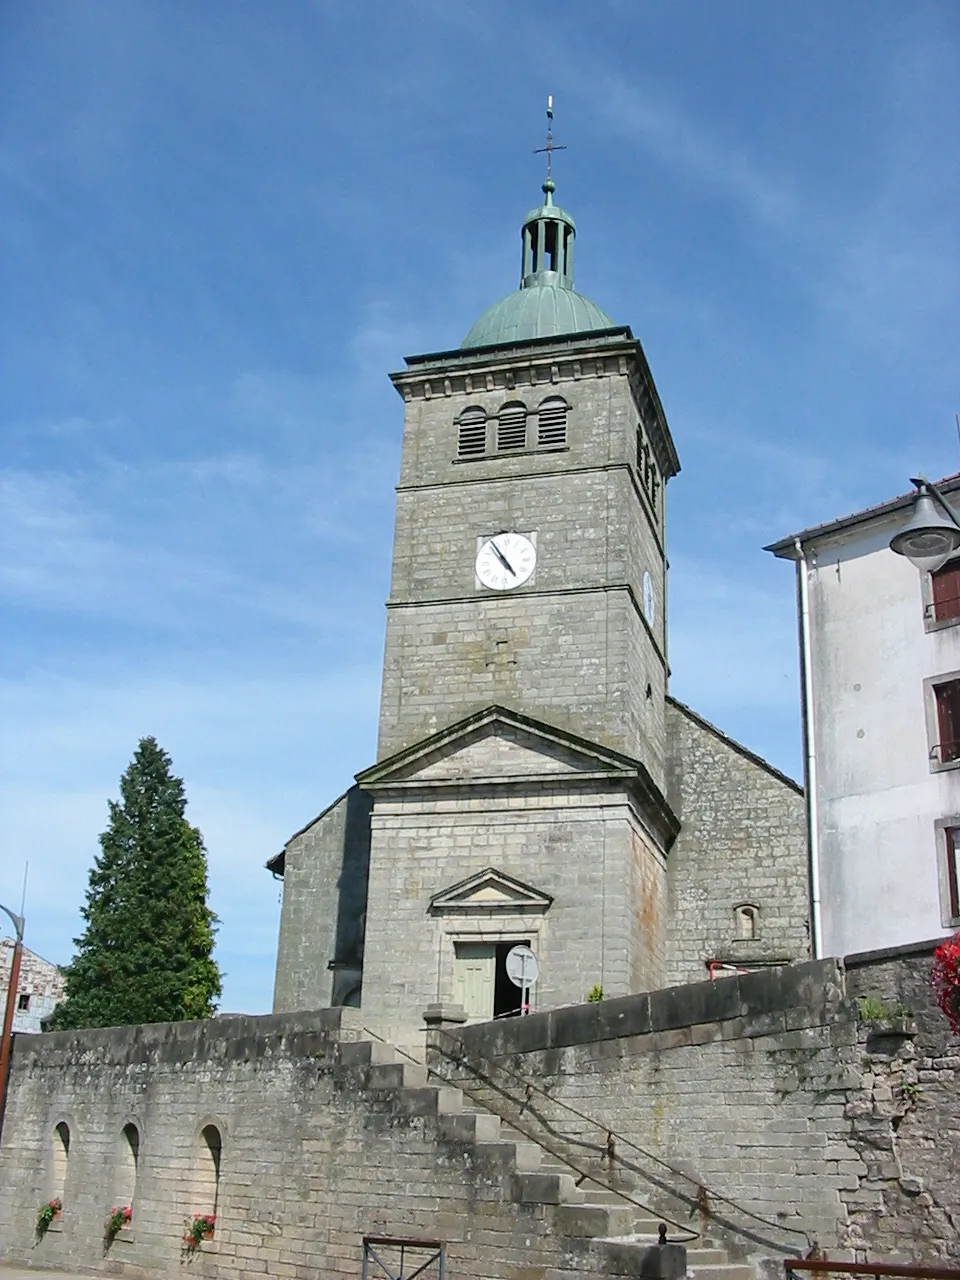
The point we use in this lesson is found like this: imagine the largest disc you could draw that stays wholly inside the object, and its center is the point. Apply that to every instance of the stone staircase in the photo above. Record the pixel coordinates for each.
(613, 1236)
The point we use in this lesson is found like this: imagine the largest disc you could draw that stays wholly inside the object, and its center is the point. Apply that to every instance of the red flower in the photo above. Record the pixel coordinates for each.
(945, 978)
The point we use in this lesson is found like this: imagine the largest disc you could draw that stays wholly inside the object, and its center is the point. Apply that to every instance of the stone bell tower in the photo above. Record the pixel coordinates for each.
(528, 566)
(519, 792)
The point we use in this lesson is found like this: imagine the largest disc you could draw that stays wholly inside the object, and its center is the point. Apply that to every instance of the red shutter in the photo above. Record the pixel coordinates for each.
(953, 878)
(946, 592)
(948, 719)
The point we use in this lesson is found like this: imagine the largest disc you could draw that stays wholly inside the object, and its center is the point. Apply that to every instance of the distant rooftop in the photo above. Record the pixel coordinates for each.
(786, 549)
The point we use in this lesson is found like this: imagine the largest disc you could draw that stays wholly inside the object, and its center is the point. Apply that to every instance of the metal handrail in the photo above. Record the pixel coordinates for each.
(909, 1270)
(582, 1174)
(698, 1202)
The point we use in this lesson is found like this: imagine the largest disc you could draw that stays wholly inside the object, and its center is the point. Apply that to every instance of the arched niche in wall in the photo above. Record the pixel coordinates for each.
(59, 1160)
(209, 1150)
(125, 1168)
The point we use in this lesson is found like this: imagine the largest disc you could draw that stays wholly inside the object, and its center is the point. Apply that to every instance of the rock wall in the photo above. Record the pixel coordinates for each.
(768, 1110)
(319, 1146)
(742, 844)
(906, 1123)
(763, 1105)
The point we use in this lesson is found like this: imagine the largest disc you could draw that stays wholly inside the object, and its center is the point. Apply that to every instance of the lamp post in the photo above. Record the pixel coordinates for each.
(7, 1038)
(932, 534)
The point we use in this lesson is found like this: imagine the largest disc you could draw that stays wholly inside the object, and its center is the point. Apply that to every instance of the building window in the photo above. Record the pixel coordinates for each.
(945, 593)
(947, 696)
(472, 434)
(552, 423)
(952, 869)
(747, 922)
(512, 428)
(23, 1001)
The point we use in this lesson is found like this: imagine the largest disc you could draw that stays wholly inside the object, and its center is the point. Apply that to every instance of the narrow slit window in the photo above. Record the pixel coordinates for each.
(472, 434)
(948, 721)
(512, 428)
(552, 424)
(747, 922)
(945, 588)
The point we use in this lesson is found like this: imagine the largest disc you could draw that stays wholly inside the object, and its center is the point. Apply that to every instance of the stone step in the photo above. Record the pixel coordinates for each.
(707, 1258)
(471, 1126)
(367, 1053)
(592, 1220)
(640, 1257)
(397, 1075)
(429, 1101)
(544, 1188)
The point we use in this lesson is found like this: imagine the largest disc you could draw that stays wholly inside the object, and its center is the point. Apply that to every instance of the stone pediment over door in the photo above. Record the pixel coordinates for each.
(487, 892)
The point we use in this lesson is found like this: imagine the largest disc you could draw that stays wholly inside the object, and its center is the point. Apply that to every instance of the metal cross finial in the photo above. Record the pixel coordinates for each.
(551, 146)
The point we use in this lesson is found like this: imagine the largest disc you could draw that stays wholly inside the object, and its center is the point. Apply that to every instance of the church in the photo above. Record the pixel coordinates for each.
(535, 782)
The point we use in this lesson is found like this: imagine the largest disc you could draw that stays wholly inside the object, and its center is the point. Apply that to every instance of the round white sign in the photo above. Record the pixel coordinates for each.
(522, 967)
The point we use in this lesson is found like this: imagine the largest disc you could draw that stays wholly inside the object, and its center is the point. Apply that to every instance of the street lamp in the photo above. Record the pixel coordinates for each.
(932, 534)
(7, 1037)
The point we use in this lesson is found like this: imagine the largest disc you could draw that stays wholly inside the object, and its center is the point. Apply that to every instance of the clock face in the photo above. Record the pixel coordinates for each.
(505, 561)
(649, 605)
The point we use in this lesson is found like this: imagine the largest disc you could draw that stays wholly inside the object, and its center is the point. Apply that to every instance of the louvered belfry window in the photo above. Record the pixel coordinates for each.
(512, 427)
(552, 424)
(472, 435)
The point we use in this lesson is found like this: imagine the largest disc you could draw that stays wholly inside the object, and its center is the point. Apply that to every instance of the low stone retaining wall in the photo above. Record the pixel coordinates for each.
(762, 1094)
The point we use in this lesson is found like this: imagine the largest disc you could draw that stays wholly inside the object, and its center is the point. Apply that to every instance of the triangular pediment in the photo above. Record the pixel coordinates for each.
(497, 745)
(490, 891)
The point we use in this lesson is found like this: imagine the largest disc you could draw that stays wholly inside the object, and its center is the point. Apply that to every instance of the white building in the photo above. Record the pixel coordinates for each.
(880, 656)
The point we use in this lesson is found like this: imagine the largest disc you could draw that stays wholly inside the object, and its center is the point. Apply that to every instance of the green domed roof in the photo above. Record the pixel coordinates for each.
(538, 311)
(546, 305)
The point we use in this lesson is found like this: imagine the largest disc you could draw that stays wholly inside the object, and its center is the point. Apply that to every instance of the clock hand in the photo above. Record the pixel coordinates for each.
(502, 558)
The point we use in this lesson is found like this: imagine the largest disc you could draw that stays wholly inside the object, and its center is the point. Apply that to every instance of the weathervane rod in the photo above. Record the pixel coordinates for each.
(551, 146)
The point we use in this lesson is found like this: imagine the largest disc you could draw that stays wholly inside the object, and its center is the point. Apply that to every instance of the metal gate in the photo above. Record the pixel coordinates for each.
(401, 1259)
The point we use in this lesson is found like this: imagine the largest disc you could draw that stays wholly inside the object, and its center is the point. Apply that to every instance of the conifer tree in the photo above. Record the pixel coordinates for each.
(145, 955)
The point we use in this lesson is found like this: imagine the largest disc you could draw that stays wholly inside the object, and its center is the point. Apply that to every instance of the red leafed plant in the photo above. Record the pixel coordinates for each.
(116, 1221)
(201, 1228)
(945, 977)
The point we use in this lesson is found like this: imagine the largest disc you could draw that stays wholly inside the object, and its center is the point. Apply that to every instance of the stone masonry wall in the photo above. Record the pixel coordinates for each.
(759, 1094)
(324, 903)
(743, 841)
(318, 1150)
(906, 1126)
(572, 645)
(579, 843)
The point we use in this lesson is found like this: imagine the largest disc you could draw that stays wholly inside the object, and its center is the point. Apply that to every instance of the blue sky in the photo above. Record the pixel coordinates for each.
(225, 223)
